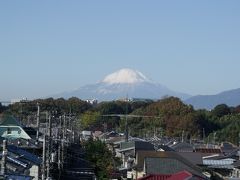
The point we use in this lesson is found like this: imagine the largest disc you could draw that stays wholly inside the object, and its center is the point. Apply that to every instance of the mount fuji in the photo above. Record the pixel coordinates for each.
(122, 83)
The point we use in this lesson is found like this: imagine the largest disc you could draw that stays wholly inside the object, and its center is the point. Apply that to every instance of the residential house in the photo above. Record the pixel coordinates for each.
(85, 135)
(21, 164)
(129, 149)
(10, 128)
(152, 162)
(183, 175)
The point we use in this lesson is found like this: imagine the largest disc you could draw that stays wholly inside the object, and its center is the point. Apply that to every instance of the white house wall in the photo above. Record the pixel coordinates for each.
(16, 132)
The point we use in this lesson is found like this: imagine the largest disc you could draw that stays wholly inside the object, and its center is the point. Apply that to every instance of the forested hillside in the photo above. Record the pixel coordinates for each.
(166, 117)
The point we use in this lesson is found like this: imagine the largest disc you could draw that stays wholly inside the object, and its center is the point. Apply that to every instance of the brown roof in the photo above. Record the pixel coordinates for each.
(208, 150)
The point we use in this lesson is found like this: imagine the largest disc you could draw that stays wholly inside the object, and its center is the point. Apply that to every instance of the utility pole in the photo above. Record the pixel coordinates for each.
(62, 154)
(49, 145)
(72, 132)
(44, 158)
(126, 129)
(182, 135)
(46, 123)
(70, 126)
(161, 132)
(28, 121)
(63, 139)
(73, 129)
(59, 144)
(154, 132)
(38, 119)
(59, 156)
(238, 139)
(214, 138)
(73, 136)
(49, 126)
(64, 126)
(4, 157)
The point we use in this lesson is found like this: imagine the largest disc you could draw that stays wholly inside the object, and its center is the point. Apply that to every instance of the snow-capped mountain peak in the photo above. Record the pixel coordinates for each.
(125, 76)
(121, 83)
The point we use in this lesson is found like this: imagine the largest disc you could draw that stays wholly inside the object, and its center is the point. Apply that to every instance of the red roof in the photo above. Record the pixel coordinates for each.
(180, 176)
(155, 177)
(183, 175)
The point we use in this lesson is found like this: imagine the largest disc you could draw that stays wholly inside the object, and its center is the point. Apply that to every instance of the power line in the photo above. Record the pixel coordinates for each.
(130, 115)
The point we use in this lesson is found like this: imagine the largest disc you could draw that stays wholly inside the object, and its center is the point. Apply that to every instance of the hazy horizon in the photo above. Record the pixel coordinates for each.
(52, 47)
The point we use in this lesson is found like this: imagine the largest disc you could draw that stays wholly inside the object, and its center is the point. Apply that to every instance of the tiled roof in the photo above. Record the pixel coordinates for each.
(184, 175)
(182, 147)
(164, 148)
(137, 145)
(193, 157)
(24, 154)
(168, 160)
(155, 177)
(208, 150)
(19, 177)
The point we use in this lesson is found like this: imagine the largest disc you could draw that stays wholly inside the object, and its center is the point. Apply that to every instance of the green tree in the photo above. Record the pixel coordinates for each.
(221, 110)
(89, 120)
(101, 157)
(2, 108)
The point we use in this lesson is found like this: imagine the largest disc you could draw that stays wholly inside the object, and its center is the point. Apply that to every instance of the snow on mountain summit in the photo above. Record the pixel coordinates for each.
(125, 76)
(121, 83)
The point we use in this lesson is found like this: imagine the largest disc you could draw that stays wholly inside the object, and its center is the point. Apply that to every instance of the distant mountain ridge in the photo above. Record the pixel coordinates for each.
(230, 98)
(123, 83)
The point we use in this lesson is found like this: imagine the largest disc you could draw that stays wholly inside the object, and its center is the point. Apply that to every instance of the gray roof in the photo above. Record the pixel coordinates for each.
(165, 148)
(193, 157)
(236, 164)
(182, 147)
(19, 177)
(8, 120)
(166, 165)
(229, 149)
(170, 162)
(24, 154)
(136, 145)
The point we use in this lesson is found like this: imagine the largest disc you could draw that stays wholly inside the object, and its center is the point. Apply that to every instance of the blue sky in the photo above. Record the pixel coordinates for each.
(47, 47)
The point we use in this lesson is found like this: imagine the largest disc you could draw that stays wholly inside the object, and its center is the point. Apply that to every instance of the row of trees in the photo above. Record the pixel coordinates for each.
(169, 116)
